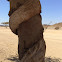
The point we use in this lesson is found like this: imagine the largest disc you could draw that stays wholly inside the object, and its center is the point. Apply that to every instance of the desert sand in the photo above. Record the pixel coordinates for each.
(9, 45)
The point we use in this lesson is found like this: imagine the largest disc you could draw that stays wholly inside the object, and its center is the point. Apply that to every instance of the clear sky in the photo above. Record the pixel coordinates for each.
(51, 11)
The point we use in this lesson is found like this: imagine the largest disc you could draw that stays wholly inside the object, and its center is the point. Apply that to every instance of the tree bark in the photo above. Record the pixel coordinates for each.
(26, 22)
(29, 34)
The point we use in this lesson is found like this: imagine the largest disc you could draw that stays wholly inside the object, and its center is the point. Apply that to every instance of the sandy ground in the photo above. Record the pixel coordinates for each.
(9, 45)
(53, 40)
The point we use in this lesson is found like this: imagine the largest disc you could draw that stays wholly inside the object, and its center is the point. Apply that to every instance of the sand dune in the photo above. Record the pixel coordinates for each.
(9, 44)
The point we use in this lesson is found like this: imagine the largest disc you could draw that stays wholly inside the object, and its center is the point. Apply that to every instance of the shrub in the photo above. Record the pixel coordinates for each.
(56, 28)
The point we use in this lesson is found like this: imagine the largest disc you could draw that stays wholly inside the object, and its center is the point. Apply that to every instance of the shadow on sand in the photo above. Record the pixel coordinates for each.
(14, 59)
(47, 59)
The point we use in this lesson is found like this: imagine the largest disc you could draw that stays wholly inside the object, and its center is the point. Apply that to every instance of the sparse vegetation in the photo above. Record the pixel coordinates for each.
(6, 24)
(56, 28)
(46, 26)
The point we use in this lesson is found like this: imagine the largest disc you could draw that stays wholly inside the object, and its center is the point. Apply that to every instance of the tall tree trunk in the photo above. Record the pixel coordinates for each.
(29, 34)
(26, 22)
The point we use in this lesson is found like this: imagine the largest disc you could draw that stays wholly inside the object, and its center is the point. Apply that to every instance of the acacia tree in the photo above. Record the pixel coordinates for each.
(5, 24)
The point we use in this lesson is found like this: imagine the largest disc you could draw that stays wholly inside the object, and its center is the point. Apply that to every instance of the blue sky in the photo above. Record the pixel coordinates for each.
(51, 11)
